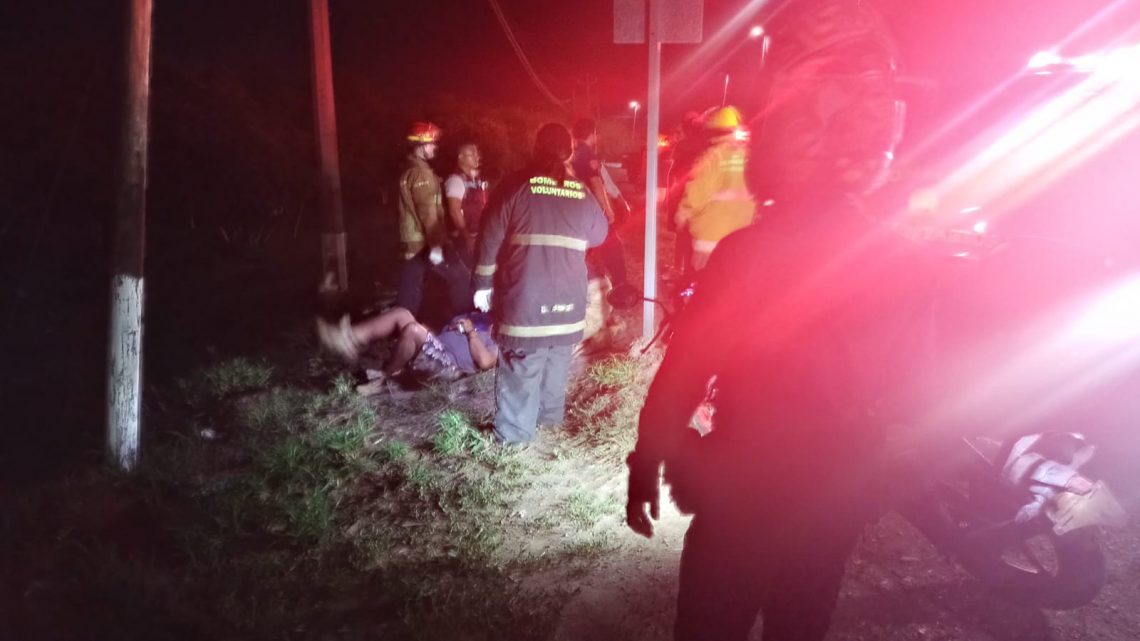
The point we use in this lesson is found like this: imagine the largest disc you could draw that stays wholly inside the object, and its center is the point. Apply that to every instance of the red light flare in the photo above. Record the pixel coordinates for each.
(683, 79)
(1014, 161)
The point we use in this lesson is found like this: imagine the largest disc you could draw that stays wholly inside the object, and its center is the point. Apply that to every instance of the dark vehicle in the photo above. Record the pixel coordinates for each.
(1021, 517)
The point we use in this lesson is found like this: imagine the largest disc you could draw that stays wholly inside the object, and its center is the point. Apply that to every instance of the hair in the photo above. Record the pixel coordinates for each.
(552, 148)
(583, 128)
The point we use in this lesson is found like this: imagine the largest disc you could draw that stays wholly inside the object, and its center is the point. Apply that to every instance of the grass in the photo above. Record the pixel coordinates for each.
(302, 507)
(604, 411)
(586, 509)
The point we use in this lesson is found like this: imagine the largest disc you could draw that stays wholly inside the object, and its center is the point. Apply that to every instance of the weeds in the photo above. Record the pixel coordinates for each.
(604, 413)
(457, 436)
(233, 376)
(307, 502)
(586, 509)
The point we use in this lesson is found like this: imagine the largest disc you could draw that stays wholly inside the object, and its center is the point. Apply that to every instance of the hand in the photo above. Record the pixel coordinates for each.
(483, 300)
(465, 326)
(435, 255)
(644, 492)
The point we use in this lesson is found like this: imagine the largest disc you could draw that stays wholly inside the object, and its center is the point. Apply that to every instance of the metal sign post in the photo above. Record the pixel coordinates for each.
(668, 21)
(652, 124)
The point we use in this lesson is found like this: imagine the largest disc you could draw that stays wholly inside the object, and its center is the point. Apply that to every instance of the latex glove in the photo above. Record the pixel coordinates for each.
(644, 492)
(435, 255)
(483, 300)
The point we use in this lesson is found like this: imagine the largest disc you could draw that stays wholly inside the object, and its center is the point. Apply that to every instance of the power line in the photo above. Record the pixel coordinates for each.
(522, 56)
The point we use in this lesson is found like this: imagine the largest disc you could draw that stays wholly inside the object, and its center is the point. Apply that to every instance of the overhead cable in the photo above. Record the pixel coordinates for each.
(522, 56)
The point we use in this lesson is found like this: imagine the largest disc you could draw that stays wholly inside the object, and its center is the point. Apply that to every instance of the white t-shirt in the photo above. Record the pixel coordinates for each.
(454, 187)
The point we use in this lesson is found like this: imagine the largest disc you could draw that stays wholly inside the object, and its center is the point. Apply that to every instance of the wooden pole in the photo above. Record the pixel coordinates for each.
(333, 238)
(124, 363)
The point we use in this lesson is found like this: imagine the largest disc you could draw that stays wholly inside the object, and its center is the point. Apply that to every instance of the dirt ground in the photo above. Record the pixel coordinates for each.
(897, 588)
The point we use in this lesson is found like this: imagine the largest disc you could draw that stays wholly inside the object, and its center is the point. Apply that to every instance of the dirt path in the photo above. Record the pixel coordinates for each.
(897, 588)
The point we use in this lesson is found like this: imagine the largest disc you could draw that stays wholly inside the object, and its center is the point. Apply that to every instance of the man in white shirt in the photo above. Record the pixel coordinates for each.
(466, 196)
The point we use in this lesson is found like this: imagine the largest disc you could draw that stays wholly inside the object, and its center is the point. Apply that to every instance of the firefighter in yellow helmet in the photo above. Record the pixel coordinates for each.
(716, 200)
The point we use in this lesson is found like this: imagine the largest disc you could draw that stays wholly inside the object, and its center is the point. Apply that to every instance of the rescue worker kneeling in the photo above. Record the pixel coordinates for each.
(531, 253)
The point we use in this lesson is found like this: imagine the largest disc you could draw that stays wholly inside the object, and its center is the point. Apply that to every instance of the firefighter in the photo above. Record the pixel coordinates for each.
(532, 253)
(807, 324)
(716, 200)
(423, 229)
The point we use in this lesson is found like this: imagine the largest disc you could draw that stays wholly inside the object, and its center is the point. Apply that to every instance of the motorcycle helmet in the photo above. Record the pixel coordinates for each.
(831, 118)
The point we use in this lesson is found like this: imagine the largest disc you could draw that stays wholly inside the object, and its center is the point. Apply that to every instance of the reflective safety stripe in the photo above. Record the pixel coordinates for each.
(539, 331)
(731, 194)
(550, 240)
(485, 270)
(706, 246)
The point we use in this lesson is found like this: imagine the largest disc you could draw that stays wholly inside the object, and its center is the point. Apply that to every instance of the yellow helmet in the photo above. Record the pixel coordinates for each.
(724, 119)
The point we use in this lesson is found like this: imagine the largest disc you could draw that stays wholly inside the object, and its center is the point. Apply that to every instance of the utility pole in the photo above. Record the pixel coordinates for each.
(588, 81)
(124, 359)
(333, 238)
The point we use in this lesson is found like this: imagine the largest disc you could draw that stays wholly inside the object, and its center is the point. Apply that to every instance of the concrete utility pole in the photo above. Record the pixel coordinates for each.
(124, 362)
(333, 238)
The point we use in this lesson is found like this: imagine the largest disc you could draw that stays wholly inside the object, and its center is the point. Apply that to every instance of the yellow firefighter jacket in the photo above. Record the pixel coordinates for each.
(422, 222)
(716, 201)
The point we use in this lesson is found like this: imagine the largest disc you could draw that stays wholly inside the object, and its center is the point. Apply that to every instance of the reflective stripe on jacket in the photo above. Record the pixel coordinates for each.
(532, 250)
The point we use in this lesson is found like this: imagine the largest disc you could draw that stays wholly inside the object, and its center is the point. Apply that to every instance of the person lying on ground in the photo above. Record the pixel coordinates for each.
(464, 346)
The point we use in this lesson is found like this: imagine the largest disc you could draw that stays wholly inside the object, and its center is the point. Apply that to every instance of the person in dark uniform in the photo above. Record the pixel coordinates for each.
(611, 254)
(531, 253)
(805, 321)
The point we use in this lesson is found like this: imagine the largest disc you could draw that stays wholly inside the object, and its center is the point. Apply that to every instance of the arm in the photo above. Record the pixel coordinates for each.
(455, 211)
(598, 189)
(483, 358)
(699, 189)
(454, 191)
(698, 350)
(427, 201)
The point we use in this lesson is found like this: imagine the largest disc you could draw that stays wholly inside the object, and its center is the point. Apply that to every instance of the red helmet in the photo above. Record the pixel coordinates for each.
(423, 132)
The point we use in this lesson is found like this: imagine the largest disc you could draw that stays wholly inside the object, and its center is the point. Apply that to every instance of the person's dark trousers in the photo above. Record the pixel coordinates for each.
(732, 571)
(613, 258)
(530, 389)
(682, 250)
(452, 272)
(463, 252)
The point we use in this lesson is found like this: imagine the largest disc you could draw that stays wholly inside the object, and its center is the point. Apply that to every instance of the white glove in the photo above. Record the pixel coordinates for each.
(483, 300)
(436, 255)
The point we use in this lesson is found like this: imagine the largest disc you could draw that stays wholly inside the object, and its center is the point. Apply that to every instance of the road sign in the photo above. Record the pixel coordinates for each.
(681, 21)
